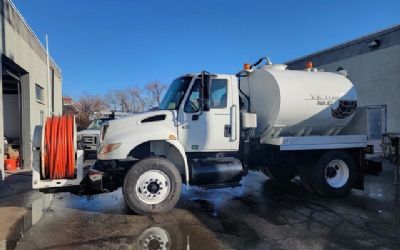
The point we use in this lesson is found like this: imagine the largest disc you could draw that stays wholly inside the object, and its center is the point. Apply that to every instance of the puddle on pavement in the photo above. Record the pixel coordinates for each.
(219, 219)
(170, 236)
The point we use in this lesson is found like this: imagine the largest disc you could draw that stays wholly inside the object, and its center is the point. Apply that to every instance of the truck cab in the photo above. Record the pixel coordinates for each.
(198, 121)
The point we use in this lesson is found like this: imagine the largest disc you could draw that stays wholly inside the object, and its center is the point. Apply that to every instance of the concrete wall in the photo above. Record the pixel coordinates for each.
(375, 71)
(19, 43)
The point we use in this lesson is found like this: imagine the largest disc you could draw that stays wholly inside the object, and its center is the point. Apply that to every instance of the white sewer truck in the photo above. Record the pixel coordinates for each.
(211, 129)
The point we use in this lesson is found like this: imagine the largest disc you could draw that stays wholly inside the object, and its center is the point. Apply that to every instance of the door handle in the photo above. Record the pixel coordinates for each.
(233, 126)
(227, 131)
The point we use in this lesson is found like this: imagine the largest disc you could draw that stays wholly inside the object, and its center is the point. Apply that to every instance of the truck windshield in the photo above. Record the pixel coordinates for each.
(175, 93)
(95, 125)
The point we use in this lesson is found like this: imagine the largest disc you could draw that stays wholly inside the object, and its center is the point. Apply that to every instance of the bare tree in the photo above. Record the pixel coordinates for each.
(117, 100)
(86, 106)
(111, 101)
(156, 91)
(123, 100)
(137, 100)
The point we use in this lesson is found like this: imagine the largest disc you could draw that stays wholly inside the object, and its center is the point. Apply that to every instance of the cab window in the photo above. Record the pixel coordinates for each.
(218, 96)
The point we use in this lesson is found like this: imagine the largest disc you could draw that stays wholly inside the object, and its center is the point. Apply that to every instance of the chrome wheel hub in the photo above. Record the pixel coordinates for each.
(153, 187)
(336, 173)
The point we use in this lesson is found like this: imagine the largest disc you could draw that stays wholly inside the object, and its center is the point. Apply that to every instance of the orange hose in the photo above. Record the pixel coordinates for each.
(59, 147)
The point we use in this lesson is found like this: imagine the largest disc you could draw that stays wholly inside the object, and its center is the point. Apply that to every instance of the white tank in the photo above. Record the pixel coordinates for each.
(299, 103)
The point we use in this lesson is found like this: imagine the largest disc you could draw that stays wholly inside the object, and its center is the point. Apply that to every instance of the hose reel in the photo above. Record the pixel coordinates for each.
(58, 148)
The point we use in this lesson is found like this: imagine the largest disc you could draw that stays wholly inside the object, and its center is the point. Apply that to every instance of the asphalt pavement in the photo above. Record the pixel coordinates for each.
(261, 214)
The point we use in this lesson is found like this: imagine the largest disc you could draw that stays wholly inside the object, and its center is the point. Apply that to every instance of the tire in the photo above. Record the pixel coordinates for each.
(334, 174)
(151, 186)
(281, 173)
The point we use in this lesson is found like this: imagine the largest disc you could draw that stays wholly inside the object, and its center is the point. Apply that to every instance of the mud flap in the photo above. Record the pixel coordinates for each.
(373, 166)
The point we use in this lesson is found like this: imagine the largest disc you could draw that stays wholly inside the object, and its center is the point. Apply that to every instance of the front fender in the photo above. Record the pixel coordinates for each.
(181, 150)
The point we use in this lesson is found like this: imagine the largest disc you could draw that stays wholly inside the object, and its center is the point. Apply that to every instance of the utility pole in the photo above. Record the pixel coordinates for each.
(48, 78)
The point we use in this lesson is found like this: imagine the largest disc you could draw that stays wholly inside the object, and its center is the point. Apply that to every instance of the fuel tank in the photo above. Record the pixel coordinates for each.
(216, 171)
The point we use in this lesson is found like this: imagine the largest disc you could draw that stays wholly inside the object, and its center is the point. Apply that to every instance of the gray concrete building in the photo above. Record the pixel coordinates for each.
(373, 65)
(30, 86)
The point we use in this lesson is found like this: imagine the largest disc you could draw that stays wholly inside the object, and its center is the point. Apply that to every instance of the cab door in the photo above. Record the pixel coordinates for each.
(212, 130)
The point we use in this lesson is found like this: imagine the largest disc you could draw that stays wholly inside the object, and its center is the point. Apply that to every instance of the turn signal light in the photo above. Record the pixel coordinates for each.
(107, 148)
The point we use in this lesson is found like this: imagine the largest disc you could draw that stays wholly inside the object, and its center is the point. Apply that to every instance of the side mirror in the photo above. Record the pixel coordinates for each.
(205, 88)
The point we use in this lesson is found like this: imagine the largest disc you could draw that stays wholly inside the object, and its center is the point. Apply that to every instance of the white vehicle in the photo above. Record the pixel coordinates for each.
(88, 139)
(210, 129)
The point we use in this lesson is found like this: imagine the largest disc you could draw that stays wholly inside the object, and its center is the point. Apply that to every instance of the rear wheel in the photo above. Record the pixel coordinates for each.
(334, 174)
(151, 186)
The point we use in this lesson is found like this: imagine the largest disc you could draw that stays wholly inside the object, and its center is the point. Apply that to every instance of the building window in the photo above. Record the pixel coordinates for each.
(39, 93)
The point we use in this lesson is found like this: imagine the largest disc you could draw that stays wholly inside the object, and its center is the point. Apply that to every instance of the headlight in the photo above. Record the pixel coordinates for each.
(107, 148)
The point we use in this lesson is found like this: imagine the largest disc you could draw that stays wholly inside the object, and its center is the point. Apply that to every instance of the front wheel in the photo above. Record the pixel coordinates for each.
(152, 186)
(334, 174)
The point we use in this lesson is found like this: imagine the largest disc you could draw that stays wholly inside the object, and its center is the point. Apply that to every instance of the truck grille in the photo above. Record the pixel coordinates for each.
(90, 140)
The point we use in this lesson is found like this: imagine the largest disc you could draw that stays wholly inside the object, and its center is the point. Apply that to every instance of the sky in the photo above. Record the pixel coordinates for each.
(102, 45)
